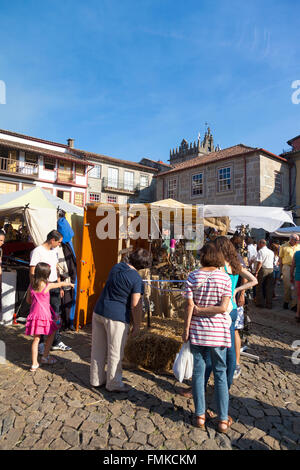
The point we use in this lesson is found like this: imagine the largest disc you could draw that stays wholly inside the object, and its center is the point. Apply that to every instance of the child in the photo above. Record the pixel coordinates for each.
(40, 320)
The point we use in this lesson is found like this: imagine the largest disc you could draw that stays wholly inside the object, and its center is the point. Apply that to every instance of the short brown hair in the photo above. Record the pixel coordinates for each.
(210, 256)
(140, 259)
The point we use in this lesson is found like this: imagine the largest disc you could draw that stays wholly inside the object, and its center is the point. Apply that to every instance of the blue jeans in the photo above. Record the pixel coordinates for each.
(230, 354)
(218, 360)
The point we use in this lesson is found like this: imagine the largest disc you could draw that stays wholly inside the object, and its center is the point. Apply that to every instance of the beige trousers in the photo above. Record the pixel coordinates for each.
(288, 294)
(108, 343)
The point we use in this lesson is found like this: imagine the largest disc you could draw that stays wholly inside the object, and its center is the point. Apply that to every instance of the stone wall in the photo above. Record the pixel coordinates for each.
(260, 181)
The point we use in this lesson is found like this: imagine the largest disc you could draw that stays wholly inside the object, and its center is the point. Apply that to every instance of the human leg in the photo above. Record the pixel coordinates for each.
(269, 283)
(34, 351)
(55, 302)
(218, 357)
(98, 351)
(230, 352)
(48, 344)
(286, 283)
(198, 379)
(116, 339)
(260, 301)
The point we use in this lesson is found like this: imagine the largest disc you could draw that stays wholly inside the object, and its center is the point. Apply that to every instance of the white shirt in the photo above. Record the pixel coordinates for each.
(41, 255)
(265, 257)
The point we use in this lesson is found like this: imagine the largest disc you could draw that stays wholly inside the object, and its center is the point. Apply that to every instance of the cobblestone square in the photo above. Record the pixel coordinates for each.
(55, 407)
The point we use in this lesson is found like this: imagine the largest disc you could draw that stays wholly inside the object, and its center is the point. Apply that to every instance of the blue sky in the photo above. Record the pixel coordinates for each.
(132, 78)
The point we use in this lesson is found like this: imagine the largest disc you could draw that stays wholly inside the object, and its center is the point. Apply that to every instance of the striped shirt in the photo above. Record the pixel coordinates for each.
(207, 288)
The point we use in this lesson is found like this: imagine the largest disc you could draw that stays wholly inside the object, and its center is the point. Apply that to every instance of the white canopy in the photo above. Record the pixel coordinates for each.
(264, 217)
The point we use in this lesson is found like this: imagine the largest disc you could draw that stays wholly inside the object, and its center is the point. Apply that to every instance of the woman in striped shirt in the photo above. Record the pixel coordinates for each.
(208, 293)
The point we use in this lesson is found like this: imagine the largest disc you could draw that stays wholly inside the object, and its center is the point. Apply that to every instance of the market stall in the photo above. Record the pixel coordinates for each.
(27, 217)
(111, 230)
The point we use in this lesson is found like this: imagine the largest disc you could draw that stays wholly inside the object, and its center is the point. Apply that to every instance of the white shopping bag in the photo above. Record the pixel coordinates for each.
(183, 364)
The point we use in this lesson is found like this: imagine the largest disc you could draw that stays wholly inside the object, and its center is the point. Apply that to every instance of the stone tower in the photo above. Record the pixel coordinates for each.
(188, 151)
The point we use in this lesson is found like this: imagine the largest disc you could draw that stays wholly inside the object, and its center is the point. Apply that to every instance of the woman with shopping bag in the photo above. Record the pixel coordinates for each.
(208, 293)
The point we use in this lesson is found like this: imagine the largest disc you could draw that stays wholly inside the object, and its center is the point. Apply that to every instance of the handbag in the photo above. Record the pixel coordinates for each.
(184, 363)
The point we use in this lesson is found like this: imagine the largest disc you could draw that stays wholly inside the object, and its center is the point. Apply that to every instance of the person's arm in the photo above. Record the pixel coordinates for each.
(258, 266)
(28, 296)
(187, 319)
(56, 285)
(31, 274)
(247, 276)
(213, 309)
(136, 313)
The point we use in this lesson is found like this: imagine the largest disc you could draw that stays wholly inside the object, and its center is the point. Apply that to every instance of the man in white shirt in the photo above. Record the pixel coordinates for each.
(251, 254)
(264, 274)
(47, 253)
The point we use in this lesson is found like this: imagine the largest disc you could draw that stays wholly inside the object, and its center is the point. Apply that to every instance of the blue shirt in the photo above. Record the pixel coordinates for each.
(297, 264)
(115, 299)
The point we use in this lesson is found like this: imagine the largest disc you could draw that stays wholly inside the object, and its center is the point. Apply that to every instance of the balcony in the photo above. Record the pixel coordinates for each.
(119, 186)
(17, 167)
(65, 177)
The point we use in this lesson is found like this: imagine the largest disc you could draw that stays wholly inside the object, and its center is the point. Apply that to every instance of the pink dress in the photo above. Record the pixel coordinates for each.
(39, 320)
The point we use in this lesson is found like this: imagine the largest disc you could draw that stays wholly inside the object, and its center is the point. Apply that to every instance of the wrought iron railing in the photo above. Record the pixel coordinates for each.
(110, 184)
(9, 165)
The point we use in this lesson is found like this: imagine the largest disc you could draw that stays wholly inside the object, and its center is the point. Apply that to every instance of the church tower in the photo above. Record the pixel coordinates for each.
(188, 151)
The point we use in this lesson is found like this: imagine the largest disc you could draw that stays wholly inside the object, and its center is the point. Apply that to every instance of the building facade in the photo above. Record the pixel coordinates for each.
(238, 175)
(119, 181)
(293, 157)
(28, 161)
(74, 175)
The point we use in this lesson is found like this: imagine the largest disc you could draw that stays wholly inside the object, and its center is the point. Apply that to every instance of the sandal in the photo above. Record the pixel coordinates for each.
(48, 360)
(200, 422)
(34, 368)
(225, 423)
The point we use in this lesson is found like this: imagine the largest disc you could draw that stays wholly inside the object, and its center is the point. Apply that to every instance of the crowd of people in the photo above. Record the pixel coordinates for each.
(215, 297)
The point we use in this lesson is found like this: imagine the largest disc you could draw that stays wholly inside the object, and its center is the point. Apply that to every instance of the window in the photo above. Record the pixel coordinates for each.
(7, 187)
(79, 169)
(112, 199)
(197, 184)
(128, 180)
(224, 179)
(49, 163)
(65, 195)
(113, 177)
(144, 181)
(78, 199)
(172, 189)
(31, 157)
(278, 182)
(95, 172)
(95, 197)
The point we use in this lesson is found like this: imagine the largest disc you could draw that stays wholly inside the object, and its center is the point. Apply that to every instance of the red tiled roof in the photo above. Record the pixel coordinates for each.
(41, 151)
(230, 152)
(117, 161)
(35, 139)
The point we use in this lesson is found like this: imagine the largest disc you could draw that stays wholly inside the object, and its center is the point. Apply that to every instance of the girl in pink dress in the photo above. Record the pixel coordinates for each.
(42, 319)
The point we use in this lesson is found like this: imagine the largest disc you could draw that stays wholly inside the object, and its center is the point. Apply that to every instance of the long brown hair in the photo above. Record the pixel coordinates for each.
(41, 274)
(229, 253)
(210, 256)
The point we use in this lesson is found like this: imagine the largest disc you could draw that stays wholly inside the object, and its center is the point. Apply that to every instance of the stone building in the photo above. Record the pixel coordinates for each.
(293, 157)
(238, 175)
(119, 181)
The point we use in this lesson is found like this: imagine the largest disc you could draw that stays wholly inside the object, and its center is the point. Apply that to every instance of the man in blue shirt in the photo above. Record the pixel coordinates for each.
(119, 304)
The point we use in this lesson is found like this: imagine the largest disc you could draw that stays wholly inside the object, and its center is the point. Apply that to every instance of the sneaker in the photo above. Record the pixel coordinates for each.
(41, 348)
(286, 305)
(61, 347)
(237, 372)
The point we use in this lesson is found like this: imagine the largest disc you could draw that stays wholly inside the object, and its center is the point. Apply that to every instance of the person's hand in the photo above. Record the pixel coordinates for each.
(135, 331)
(185, 336)
(62, 293)
(241, 301)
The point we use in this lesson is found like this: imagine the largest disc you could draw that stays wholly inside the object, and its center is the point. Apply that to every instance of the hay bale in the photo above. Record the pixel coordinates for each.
(155, 348)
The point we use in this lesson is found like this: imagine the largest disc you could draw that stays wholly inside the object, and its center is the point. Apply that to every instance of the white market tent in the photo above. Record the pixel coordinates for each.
(39, 209)
(260, 217)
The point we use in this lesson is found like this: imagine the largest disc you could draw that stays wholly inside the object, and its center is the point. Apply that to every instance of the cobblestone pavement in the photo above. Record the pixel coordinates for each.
(55, 408)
